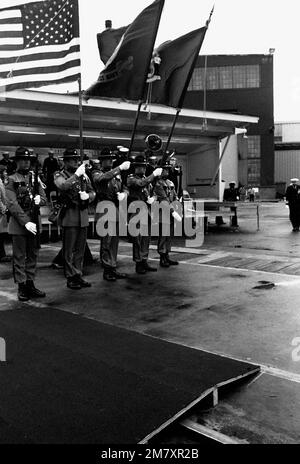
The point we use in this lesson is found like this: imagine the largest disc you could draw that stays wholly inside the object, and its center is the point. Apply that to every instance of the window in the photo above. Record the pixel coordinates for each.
(197, 81)
(239, 77)
(254, 154)
(226, 77)
(212, 78)
(253, 146)
(254, 172)
(253, 77)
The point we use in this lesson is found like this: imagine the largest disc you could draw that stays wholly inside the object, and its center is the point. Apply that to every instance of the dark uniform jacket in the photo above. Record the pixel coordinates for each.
(2, 198)
(292, 194)
(75, 212)
(50, 166)
(174, 176)
(108, 183)
(140, 187)
(19, 195)
(231, 194)
(165, 191)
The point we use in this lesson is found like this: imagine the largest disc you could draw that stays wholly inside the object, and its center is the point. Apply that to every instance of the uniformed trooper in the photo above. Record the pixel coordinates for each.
(165, 192)
(232, 194)
(141, 189)
(23, 226)
(174, 173)
(152, 163)
(109, 187)
(76, 193)
(292, 196)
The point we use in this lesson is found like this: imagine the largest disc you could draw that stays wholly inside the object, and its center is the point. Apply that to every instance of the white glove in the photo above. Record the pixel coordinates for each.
(31, 227)
(37, 200)
(125, 166)
(157, 172)
(80, 171)
(150, 200)
(84, 196)
(176, 216)
(121, 196)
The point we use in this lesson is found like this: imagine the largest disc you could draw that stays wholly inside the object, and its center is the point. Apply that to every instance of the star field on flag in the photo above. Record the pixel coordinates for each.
(39, 44)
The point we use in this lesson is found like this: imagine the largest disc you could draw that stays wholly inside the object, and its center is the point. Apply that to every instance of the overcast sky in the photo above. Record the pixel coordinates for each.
(237, 27)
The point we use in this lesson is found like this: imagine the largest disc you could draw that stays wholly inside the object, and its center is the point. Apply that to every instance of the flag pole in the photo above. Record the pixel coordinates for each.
(135, 126)
(164, 158)
(80, 119)
(145, 80)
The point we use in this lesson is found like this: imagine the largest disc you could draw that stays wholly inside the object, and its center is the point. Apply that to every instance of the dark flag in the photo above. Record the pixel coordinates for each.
(126, 71)
(178, 59)
(108, 41)
(39, 43)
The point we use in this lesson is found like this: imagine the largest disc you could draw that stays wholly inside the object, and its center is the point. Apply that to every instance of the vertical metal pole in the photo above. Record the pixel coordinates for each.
(135, 126)
(172, 130)
(80, 120)
(220, 170)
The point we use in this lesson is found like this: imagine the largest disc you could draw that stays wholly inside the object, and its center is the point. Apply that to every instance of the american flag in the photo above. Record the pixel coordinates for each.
(39, 43)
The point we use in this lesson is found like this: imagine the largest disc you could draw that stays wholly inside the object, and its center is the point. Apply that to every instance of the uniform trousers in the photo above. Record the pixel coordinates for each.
(140, 248)
(25, 255)
(295, 214)
(109, 252)
(74, 242)
(164, 245)
(165, 241)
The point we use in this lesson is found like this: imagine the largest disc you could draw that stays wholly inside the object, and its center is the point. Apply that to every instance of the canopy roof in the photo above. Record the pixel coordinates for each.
(39, 119)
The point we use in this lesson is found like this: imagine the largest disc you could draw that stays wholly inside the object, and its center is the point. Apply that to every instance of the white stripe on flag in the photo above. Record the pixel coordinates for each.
(40, 77)
(43, 49)
(39, 63)
(10, 14)
(10, 27)
(11, 41)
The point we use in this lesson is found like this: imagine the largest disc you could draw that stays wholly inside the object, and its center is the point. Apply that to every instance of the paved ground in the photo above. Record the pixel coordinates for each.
(237, 295)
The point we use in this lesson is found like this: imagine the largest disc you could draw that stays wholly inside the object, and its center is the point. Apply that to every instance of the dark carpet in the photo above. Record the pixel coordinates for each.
(72, 380)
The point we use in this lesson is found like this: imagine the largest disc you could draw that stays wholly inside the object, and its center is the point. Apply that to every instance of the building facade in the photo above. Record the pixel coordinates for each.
(241, 84)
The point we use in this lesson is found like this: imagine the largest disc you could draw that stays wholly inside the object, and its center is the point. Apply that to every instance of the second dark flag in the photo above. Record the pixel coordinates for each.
(178, 59)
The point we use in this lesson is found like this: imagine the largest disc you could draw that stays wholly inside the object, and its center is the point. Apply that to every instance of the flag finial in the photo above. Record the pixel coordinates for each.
(210, 16)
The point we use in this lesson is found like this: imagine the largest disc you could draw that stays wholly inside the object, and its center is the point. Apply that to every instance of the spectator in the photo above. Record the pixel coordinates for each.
(293, 200)
(50, 166)
(251, 194)
(232, 194)
(9, 163)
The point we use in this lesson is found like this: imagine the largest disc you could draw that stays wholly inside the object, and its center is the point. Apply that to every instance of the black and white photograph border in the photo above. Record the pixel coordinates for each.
(149, 223)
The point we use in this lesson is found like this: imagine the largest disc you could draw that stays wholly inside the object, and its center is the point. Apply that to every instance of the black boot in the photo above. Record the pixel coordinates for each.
(148, 268)
(23, 294)
(171, 261)
(73, 284)
(163, 261)
(139, 268)
(33, 291)
(83, 283)
(120, 275)
(109, 275)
